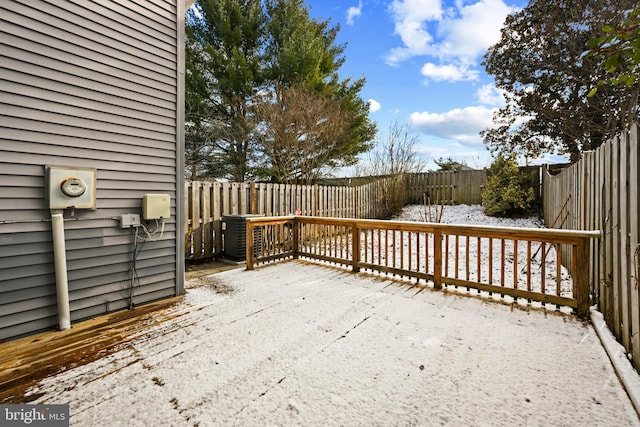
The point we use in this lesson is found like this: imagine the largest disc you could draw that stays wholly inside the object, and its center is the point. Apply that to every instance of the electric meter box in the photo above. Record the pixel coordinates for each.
(68, 187)
(156, 206)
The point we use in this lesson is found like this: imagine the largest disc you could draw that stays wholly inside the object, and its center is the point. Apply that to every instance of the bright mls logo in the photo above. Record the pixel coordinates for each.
(34, 415)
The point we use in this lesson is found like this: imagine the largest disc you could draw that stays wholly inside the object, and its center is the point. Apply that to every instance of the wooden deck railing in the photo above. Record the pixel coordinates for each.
(523, 263)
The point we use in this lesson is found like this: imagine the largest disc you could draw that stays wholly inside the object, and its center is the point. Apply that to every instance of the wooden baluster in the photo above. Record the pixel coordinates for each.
(515, 264)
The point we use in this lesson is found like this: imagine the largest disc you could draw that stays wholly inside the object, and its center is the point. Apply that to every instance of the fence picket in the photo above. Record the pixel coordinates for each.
(605, 189)
(634, 243)
(207, 231)
(187, 218)
(624, 242)
(615, 229)
(608, 236)
(226, 200)
(601, 242)
(196, 221)
(216, 191)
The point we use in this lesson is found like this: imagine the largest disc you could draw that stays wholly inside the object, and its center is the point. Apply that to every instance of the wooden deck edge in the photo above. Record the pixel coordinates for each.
(26, 361)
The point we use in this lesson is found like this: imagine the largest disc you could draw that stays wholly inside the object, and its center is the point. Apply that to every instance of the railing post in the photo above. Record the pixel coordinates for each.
(355, 247)
(437, 259)
(295, 227)
(250, 244)
(581, 276)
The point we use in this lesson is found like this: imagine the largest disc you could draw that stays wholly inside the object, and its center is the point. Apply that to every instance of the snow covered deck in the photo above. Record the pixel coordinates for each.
(301, 344)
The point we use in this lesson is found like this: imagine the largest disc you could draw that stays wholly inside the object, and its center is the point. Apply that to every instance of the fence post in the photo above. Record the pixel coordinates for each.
(581, 276)
(437, 259)
(249, 239)
(355, 247)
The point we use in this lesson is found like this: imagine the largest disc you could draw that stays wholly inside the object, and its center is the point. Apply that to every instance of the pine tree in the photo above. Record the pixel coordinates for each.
(228, 37)
(245, 53)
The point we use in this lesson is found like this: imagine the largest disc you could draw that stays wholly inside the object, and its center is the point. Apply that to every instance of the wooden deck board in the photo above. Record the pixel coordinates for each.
(26, 361)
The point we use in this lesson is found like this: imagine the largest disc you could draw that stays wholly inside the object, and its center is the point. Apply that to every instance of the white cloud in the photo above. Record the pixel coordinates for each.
(490, 95)
(410, 18)
(374, 105)
(452, 73)
(455, 37)
(461, 124)
(467, 32)
(353, 12)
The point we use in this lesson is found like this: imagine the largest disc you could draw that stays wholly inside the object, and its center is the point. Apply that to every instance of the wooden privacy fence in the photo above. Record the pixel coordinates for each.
(462, 187)
(206, 203)
(601, 192)
(449, 187)
(495, 261)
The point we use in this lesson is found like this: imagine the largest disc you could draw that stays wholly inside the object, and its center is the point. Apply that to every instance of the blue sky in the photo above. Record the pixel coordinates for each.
(421, 60)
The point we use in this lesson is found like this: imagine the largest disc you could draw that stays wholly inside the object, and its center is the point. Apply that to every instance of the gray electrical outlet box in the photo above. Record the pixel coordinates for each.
(129, 220)
(69, 187)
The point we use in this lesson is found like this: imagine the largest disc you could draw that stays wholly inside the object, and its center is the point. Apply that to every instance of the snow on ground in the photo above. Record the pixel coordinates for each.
(301, 344)
(480, 248)
(470, 215)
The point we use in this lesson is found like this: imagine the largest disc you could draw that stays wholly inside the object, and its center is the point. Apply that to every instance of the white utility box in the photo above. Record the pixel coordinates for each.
(69, 187)
(156, 206)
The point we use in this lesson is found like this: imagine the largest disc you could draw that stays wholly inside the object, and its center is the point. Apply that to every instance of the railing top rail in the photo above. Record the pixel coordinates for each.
(542, 234)
(271, 219)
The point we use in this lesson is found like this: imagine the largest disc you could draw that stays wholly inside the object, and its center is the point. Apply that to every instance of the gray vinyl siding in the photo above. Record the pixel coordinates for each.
(95, 84)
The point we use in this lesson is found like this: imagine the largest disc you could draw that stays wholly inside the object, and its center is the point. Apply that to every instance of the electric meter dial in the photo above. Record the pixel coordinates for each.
(73, 187)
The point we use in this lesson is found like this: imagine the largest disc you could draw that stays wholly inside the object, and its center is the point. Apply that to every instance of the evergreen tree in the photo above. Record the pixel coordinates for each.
(302, 53)
(507, 191)
(449, 164)
(246, 53)
(225, 47)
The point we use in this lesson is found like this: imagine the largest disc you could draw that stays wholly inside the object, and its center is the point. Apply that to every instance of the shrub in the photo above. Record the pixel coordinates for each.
(508, 191)
(393, 158)
(433, 209)
(391, 195)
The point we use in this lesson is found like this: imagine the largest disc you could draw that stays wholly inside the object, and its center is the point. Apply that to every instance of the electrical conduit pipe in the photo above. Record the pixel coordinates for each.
(60, 262)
